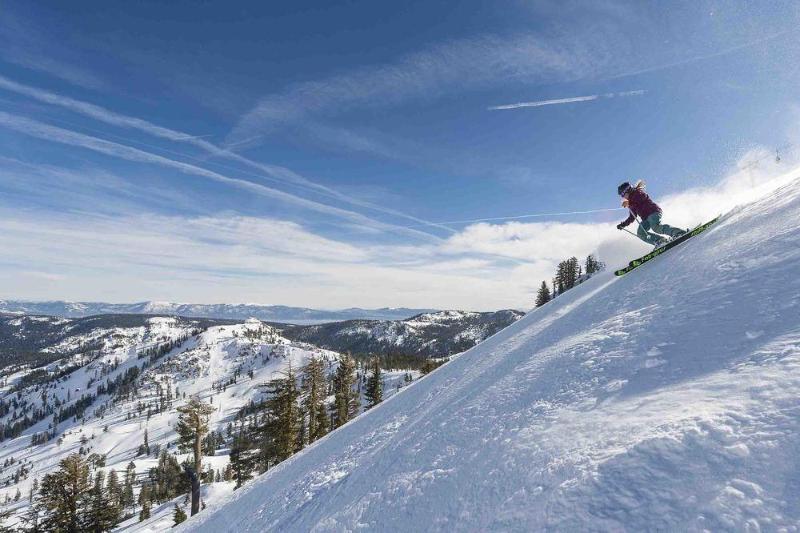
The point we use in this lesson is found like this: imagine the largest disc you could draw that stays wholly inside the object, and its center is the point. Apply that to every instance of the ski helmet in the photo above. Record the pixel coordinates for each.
(623, 188)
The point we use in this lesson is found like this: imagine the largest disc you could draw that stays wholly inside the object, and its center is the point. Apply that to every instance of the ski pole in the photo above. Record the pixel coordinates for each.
(629, 231)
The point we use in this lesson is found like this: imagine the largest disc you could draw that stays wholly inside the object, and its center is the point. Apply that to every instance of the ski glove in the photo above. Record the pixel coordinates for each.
(620, 225)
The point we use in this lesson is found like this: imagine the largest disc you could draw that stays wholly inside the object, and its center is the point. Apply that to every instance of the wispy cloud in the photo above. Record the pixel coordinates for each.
(532, 215)
(69, 73)
(703, 57)
(217, 258)
(545, 241)
(571, 100)
(24, 44)
(270, 172)
(337, 138)
(598, 46)
(86, 188)
(47, 276)
(468, 63)
(55, 134)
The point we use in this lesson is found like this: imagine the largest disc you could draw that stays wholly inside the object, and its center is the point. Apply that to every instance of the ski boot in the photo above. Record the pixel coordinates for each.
(661, 243)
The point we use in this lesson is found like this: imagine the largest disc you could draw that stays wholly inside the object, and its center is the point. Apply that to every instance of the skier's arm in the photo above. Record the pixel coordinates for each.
(626, 222)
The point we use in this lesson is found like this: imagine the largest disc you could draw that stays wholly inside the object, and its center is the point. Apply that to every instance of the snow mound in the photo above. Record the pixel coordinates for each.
(667, 399)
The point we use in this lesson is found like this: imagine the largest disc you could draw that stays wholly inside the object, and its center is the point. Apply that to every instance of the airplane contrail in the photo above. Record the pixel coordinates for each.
(703, 57)
(263, 170)
(574, 99)
(535, 215)
(41, 130)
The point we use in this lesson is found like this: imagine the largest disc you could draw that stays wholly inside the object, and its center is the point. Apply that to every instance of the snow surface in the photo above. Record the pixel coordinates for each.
(667, 399)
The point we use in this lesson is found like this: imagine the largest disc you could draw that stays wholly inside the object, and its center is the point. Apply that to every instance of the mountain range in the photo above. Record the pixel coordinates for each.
(436, 334)
(271, 313)
(39, 339)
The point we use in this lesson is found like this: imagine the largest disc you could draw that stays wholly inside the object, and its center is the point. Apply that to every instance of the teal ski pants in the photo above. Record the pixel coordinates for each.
(651, 226)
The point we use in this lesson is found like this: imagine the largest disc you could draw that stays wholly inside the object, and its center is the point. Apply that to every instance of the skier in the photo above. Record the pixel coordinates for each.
(640, 205)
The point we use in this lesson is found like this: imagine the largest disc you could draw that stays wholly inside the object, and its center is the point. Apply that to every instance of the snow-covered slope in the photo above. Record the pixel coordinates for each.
(668, 399)
(108, 385)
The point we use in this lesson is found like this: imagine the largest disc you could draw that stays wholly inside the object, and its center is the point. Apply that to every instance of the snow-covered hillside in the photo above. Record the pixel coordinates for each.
(121, 382)
(668, 399)
(36, 340)
(436, 334)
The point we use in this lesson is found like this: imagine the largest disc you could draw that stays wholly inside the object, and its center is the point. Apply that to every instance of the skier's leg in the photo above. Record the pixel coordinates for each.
(672, 231)
(654, 221)
(646, 236)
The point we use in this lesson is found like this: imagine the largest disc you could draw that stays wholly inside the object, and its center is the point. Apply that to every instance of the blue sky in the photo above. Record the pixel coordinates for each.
(306, 153)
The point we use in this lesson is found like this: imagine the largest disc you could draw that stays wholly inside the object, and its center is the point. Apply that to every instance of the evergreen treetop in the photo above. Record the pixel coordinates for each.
(374, 389)
(543, 296)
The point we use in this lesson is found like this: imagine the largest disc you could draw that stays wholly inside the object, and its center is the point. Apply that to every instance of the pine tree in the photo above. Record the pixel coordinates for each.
(558, 282)
(178, 515)
(592, 265)
(573, 271)
(191, 427)
(374, 389)
(346, 403)
(144, 502)
(114, 494)
(567, 275)
(168, 478)
(283, 419)
(127, 490)
(144, 448)
(543, 296)
(101, 515)
(242, 458)
(314, 389)
(33, 490)
(63, 496)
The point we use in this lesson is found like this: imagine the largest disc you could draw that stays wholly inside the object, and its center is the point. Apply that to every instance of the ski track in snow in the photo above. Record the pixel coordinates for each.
(667, 399)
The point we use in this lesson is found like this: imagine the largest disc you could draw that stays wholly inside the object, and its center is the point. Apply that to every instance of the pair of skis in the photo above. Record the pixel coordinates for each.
(661, 249)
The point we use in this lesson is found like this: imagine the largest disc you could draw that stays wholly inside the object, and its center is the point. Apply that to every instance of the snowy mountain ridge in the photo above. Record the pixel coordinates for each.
(35, 339)
(437, 334)
(666, 399)
(273, 313)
